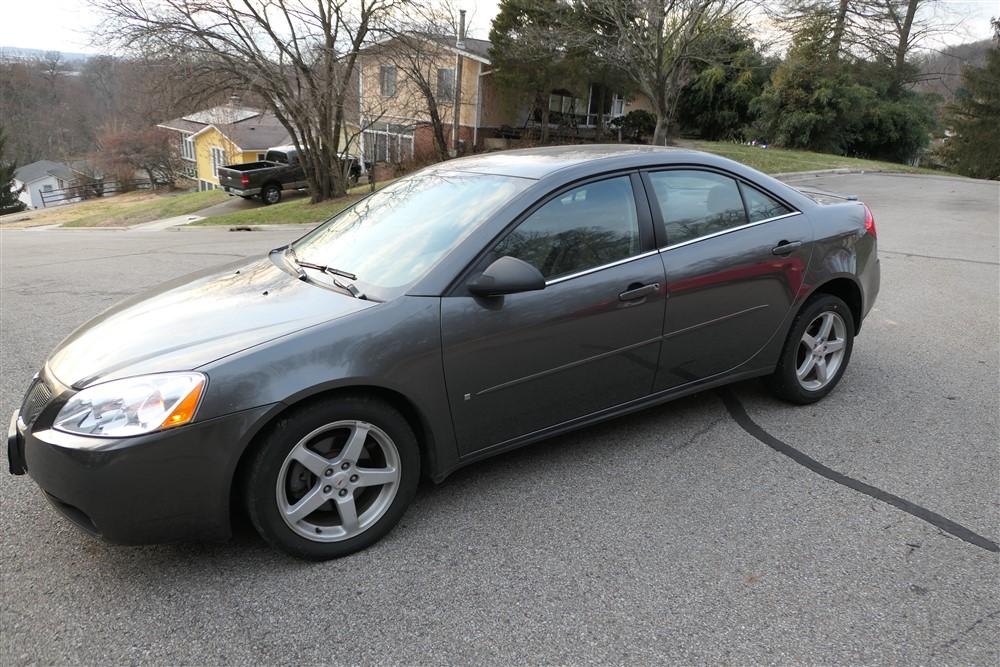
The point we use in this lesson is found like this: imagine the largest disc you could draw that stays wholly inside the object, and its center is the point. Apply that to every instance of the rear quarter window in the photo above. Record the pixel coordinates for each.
(761, 206)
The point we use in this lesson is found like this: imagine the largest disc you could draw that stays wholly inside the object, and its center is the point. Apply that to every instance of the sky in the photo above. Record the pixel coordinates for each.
(64, 25)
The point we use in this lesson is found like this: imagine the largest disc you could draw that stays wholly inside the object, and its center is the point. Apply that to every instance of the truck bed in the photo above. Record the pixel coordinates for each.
(249, 166)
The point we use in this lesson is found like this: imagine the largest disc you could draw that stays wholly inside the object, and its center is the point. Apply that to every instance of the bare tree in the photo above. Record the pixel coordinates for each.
(886, 30)
(652, 40)
(123, 153)
(298, 56)
(39, 106)
(417, 48)
(896, 27)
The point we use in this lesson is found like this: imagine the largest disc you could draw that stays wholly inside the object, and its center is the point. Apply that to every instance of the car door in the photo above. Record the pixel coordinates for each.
(734, 258)
(520, 363)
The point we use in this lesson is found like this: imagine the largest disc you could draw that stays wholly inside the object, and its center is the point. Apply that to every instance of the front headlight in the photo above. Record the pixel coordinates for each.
(132, 406)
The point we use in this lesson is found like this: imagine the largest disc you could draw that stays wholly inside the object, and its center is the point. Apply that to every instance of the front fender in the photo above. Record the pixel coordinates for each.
(394, 347)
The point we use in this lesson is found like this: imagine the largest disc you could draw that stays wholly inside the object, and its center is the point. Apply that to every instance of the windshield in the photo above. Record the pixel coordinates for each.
(394, 236)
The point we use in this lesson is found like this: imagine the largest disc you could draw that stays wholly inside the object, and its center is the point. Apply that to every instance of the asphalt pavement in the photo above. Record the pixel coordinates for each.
(724, 527)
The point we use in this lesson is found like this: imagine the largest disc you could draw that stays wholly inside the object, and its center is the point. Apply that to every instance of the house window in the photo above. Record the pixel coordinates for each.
(218, 160)
(387, 80)
(387, 142)
(566, 104)
(46, 188)
(261, 156)
(445, 84)
(187, 147)
(617, 107)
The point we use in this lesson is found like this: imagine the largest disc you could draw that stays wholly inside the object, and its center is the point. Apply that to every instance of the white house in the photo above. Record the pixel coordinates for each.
(31, 180)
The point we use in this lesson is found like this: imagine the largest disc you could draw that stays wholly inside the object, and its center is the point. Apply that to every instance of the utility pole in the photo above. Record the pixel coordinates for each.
(457, 101)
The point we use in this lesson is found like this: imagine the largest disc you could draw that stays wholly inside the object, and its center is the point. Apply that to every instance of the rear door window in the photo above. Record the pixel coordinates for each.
(694, 204)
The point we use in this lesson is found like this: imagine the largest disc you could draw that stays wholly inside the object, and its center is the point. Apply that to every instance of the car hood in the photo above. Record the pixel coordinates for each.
(195, 320)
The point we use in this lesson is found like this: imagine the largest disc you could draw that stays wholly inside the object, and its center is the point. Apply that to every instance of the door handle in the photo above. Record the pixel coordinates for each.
(785, 247)
(639, 292)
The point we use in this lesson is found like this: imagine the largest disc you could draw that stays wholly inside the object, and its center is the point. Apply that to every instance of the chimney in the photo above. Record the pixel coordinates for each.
(460, 42)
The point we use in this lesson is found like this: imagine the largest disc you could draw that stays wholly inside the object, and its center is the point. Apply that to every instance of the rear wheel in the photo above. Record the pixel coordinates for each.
(333, 477)
(270, 194)
(816, 352)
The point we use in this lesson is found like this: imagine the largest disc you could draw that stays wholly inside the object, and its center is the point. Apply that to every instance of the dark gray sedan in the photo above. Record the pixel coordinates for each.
(473, 307)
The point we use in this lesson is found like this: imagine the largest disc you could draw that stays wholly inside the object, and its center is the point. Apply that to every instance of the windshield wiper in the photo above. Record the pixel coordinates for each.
(325, 269)
(329, 270)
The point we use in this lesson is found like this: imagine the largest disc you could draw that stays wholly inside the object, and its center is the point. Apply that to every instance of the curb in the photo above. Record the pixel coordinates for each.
(245, 228)
(837, 171)
(855, 170)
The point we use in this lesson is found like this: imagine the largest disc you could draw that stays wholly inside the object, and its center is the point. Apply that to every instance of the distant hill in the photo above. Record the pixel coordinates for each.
(941, 71)
(9, 53)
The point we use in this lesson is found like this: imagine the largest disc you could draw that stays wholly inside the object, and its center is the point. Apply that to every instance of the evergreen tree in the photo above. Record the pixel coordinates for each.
(816, 101)
(9, 203)
(974, 118)
(812, 102)
(528, 51)
(727, 73)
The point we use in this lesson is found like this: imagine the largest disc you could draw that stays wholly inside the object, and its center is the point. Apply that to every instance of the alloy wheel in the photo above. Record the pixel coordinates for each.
(821, 351)
(338, 481)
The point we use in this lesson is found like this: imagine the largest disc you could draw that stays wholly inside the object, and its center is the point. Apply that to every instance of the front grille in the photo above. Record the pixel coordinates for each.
(35, 400)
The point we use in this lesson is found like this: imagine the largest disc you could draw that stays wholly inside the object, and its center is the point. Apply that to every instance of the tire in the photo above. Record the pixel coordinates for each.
(278, 483)
(270, 194)
(817, 379)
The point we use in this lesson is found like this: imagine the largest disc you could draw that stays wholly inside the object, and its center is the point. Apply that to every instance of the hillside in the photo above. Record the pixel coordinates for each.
(941, 71)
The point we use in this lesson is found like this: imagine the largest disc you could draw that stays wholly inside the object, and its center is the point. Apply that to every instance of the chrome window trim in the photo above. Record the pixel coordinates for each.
(729, 231)
(585, 272)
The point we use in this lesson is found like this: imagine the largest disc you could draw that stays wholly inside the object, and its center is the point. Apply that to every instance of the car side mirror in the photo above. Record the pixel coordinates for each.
(507, 275)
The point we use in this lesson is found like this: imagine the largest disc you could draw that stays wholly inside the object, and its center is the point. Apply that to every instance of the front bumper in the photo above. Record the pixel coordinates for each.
(161, 487)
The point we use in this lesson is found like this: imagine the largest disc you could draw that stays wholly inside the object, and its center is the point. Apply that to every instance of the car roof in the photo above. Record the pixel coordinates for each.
(558, 165)
(537, 163)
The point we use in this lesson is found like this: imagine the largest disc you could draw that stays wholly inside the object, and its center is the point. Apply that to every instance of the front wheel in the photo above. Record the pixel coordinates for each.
(816, 352)
(270, 194)
(333, 477)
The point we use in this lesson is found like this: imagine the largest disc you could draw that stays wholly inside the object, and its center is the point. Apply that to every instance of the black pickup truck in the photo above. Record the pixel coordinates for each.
(280, 170)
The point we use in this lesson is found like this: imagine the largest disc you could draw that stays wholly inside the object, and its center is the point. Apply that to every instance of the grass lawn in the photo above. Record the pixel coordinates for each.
(118, 211)
(154, 208)
(779, 160)
(295, 212)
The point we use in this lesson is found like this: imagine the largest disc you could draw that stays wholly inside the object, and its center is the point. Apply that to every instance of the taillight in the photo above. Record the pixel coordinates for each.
(245, 180)
(869, 222)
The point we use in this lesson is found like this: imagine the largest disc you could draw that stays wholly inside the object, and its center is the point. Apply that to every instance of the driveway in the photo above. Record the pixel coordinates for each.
(724, 527)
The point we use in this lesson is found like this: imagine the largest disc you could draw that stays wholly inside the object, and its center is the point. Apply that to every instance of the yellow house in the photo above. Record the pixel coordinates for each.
(227, 134)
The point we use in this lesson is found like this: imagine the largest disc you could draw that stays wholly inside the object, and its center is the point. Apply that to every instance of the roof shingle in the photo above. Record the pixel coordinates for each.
(42, 168)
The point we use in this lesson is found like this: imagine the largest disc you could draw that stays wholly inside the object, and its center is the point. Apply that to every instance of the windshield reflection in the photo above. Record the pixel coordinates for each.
(394, 236)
